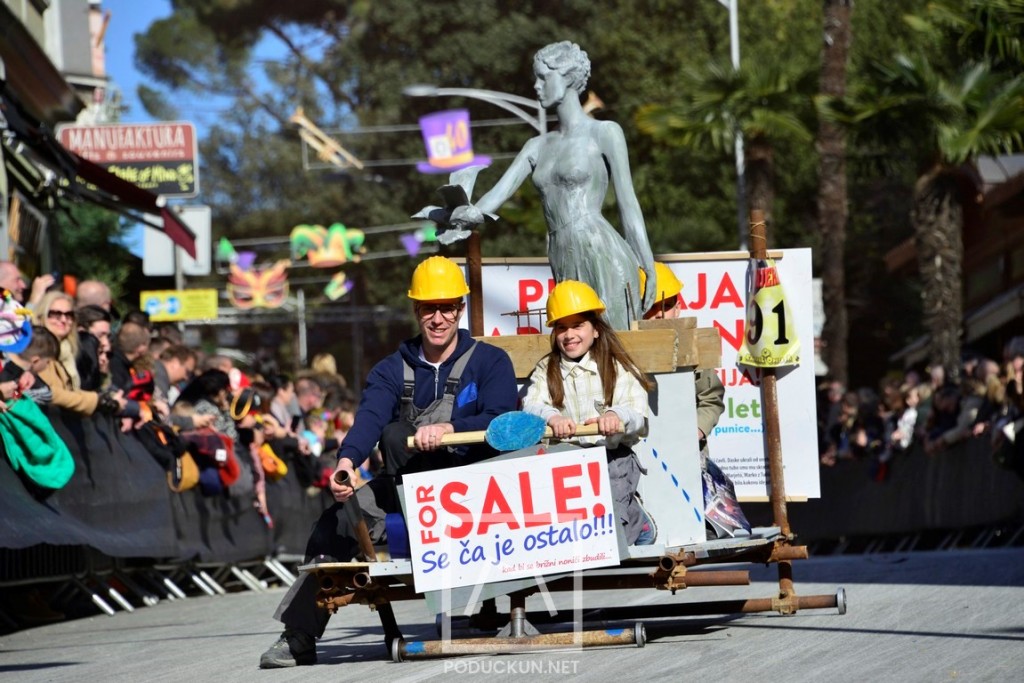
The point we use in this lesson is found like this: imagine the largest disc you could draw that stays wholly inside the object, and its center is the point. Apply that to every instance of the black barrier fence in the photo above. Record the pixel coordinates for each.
(958, 488)
(119, 504)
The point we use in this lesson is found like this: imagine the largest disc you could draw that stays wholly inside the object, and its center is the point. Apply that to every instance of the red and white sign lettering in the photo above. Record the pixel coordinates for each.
(540, 514)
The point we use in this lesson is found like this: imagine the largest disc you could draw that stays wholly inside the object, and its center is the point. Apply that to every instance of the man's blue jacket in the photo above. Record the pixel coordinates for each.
(487, 389)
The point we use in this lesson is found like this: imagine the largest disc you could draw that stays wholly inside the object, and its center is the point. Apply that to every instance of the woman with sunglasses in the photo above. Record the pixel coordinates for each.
(56, 312)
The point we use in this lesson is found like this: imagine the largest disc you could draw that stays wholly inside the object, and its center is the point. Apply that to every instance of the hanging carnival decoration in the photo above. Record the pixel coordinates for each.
(449, 142)
(338, 287)
(412, 241)
(327, 247)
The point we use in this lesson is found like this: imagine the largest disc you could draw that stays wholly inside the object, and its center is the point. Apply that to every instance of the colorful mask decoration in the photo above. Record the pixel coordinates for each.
(259, 287)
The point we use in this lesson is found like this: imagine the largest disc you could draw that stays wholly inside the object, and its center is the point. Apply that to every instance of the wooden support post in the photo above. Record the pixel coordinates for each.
(476, 284)
(773, 436)
(770, 397)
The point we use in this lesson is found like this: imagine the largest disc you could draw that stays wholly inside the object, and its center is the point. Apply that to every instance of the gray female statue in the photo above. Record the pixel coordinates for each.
(571, 168)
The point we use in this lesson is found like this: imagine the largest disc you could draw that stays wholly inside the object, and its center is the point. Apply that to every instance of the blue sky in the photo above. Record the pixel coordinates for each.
(128, 17)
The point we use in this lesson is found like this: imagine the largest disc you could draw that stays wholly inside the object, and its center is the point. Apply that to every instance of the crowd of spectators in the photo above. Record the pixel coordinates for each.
(928, 411)
(82, 356)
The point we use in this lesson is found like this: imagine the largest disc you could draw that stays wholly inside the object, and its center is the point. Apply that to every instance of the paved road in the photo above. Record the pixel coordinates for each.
(939, 616)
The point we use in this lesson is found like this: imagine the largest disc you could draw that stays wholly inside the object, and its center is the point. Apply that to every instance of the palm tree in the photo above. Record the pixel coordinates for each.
(989, 29)
(905, 102)
(832, 190)
(764, 102)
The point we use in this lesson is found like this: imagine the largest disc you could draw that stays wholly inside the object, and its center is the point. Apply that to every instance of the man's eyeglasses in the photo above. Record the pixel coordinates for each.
(54, 315)
(447, 311)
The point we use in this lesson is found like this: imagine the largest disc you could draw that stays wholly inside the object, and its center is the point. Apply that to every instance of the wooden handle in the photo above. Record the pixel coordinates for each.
(455, 439)
(464, 438)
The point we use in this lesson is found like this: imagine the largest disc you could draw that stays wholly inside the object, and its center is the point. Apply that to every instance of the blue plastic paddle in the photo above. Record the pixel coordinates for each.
(510, 432)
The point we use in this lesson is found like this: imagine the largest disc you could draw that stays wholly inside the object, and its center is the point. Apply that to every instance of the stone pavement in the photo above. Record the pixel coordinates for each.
(934, 616)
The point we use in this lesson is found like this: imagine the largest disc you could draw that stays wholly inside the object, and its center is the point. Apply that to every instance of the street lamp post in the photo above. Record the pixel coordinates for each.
(741, 190)
(519, 106)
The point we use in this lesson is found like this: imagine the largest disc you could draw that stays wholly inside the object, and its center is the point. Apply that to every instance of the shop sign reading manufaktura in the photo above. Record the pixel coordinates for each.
(158, 157)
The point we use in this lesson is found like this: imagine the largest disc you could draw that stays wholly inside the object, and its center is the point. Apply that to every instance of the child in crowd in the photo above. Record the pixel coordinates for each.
(33, 360)
(589, 378)
(906, 423)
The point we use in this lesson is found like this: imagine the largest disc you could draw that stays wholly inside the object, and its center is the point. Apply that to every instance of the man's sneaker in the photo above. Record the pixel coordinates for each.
(648, 529)
(293, 648)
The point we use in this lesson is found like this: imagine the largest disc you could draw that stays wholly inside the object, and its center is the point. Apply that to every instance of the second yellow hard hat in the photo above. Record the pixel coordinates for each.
(570, 297)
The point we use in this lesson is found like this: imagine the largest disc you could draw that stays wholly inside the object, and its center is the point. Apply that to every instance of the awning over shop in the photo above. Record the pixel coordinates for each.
(134, 197)
(83, 178)
(28, 71)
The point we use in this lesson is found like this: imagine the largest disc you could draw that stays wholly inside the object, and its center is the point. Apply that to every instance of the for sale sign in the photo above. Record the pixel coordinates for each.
(159, 157)
(495, 521)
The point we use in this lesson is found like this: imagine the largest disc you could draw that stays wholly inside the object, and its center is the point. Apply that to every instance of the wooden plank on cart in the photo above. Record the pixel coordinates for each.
(653, 350)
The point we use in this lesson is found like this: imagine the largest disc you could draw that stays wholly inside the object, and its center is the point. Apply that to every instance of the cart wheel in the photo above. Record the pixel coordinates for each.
(640, 634)
(396, 649)
(841, 600)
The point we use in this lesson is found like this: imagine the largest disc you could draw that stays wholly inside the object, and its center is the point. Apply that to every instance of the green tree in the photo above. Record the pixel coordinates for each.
(88, 237)
(765, 102)
(952, 120)
(977, 29)
(832, 189)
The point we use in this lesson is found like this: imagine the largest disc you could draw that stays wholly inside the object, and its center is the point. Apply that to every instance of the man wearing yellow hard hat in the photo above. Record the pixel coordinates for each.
(722, 512)
(436, 383)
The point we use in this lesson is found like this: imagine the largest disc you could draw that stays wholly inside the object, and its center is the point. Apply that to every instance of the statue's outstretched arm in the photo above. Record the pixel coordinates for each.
(613, 146)
(513, 177)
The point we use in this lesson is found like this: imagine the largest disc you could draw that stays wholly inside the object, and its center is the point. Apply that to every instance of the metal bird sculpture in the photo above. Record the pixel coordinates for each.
(458, 212)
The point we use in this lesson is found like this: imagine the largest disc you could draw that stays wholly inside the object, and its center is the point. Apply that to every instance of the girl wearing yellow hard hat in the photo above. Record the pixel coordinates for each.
(588, 378)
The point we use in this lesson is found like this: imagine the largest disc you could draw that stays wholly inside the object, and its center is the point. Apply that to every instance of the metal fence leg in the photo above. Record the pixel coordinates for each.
(260, 584)
(173, 592)
(200, 584)
(247, 579)
(115, 595)
(279, 571)
(96, 599)
(284, 570)
(211, 583)
(148, 599)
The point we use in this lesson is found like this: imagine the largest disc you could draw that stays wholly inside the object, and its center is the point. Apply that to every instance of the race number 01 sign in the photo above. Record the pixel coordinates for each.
(509, 519)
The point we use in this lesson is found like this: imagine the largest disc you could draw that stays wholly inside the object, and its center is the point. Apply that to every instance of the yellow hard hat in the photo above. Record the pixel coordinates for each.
(570, 297)
(437, 278)
(666, 284)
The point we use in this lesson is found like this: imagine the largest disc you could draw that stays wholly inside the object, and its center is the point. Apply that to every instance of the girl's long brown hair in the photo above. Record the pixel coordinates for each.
(607, 349)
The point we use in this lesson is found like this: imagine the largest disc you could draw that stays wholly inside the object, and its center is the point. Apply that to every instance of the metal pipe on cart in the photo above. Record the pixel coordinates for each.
(355, 513)
(402, 650)
(770, 413)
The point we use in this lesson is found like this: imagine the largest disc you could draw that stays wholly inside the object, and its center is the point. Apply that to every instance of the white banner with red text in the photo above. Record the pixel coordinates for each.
(509, 519)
